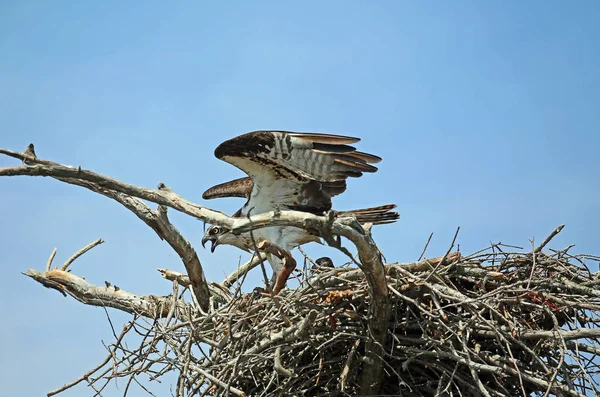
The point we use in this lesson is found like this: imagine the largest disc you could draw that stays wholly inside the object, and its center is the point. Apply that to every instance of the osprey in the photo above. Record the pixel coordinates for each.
(290, 171)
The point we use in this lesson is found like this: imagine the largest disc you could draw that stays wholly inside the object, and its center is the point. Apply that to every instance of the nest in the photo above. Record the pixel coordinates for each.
(497, 322)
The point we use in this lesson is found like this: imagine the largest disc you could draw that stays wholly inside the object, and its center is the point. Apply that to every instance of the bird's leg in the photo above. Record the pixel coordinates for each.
(289, 263)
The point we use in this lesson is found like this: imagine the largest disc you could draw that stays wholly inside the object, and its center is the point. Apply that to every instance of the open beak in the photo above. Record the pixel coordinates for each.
(213, 241)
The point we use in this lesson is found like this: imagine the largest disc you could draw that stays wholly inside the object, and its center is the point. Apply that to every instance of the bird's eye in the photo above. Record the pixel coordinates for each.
(215, 230)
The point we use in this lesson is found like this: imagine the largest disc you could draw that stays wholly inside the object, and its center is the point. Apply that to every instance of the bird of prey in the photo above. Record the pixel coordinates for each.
(290, 171)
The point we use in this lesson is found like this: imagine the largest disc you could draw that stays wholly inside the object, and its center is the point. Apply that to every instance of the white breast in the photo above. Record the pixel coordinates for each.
(263, 200)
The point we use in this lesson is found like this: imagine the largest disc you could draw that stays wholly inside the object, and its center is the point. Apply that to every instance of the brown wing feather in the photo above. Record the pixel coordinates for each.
(241, 187)
(299, 170)
(334, 188)
(323, 138)
(376, 215)
(319, 157)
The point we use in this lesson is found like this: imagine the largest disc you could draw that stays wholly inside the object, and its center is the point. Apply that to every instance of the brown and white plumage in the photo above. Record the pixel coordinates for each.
(291, 171)
(295, 170)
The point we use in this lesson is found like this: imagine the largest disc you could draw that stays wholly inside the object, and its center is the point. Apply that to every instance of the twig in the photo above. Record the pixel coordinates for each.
(50, 259)
(80, 252)
(171, 275)
(425, 248)
(279, 368)
(550, 237)
(443, 260)
(347, 364)
(217, 381)
(242, 270)
(533, 263)
(188, 255)
(81, 290)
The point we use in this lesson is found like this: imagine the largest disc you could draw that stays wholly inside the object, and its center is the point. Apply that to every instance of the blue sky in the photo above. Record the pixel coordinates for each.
(486, 115)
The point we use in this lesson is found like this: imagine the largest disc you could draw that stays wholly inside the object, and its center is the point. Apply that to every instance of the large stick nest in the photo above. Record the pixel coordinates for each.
(500, 322)
(493, 323)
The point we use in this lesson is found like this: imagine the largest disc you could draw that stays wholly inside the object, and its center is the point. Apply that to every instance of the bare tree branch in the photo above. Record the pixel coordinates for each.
(497, 322)
(368, 252)
(112, 296)
(79, 253)
(242, 270)
(51, 259)
(119, 191)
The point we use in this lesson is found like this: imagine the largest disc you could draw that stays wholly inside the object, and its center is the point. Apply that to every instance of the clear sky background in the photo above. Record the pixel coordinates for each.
(487, 116)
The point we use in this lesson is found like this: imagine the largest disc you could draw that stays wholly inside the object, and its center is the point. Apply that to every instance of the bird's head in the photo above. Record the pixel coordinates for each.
(219, 235)
(215, 234)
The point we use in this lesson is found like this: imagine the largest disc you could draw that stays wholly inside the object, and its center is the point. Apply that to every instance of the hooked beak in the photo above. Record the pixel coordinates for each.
(213, 241)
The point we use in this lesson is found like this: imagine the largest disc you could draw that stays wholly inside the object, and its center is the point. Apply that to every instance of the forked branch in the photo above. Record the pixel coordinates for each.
(130, 196)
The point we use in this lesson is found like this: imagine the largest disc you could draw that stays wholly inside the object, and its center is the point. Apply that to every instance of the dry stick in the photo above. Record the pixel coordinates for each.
(89, 294)
(144, 387)
(235, 365)
(550, 237)
(278, 367)
(425, 248)
(50, 259)
(187, 253)
(242, 270)
(297, 331)
(444, 257)
(173, 304)
(566, 335)
(346, 370)
(217, 381)
(80, 252)
(183, 373)
(498, 369)
(217, 291)
(533, 257)
(563, 348)
(473, 372)
(172, 275)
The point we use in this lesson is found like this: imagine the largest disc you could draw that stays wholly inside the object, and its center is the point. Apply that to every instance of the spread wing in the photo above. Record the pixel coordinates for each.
(296, 170)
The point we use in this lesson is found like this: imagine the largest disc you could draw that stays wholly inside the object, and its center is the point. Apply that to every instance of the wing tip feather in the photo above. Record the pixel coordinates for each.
(356, 166)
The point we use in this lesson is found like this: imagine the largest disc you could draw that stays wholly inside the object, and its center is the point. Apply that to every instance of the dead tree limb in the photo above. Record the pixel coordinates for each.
(129, 195)
(110, 296)
(157, 220)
